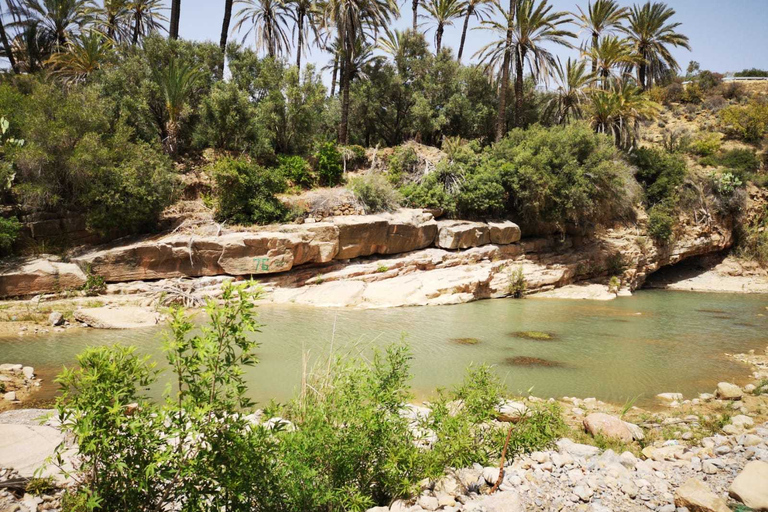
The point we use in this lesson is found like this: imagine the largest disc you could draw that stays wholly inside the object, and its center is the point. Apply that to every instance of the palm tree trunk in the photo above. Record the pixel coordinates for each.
(594, 45)
(345, 82)
(225, 24)
(136, 27)
(175, 15)
(641, 71)
(415, 7)
(464, 31)
(519, 61)
(7, 48)
(335, 72)
(439, 38)
(501, 119)
(300, 42)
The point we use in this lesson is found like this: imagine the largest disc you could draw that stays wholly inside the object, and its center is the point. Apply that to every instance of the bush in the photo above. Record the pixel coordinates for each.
(725, 183)
(245, 192)
(692, 93)
(296, 170)
(753, 239)
(354, 157)
(732, 91)
(9, 232)
(661, 222)
(401, 163)
(431, 192)
(659, 172)
(482, 195)
(754, 72)
(742, 161)
(747, 122)
(376, 193)
(706, 145)
(329, 164)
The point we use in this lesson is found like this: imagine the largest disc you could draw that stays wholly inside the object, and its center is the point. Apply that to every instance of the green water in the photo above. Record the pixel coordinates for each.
(653, 342)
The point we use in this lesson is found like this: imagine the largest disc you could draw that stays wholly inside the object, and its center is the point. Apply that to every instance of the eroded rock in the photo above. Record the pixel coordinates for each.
(456, 234)
(45, 275)
(751, 486)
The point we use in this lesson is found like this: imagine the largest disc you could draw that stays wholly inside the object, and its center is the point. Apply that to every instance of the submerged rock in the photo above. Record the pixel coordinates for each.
(534, 335)
(532, 361)
(124, 317)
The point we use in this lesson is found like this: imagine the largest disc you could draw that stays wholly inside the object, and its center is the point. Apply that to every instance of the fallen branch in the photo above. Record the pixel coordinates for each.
(503, 459)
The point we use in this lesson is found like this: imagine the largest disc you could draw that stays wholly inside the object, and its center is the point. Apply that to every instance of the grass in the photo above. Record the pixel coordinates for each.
(534, 335)
(381, 268)
(40, 486)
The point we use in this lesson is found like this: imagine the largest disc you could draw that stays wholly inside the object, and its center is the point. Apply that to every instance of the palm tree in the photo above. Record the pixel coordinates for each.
(177, 82)
(415, 9)
(147, 18)
(111, 18)
(353, 21)
(225, 25)
(7, 51)
(534, 26)
(60, 18)
(609, 54)
(477, 8)
(303, 15)
(652, 36)
(32, 47)
(84, 55)
(443, 12)
(573, 81)
(175, 16)
(268, 22)
(391, 43)
(602, 17)
(618, 111)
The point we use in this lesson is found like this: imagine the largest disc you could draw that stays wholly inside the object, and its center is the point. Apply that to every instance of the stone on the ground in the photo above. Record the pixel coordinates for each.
(751, 486)
(670, 397)
(504, 232)
(454, 234)
(10, 396)
(26, 447)
(10, 368)
(29, 372)
(696, 496)
(728, 391)
(609, 426)
(742, 421)
(503, 501)
(428, 502)
(565, 445)
(511, 411)
(123, 317)
(55, 318)
(637, 432)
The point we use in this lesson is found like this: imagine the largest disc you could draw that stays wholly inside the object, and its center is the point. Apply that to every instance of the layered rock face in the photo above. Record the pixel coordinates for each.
(28, 277)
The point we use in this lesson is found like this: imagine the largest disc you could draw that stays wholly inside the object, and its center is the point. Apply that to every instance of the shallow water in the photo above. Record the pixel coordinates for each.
(656, 341)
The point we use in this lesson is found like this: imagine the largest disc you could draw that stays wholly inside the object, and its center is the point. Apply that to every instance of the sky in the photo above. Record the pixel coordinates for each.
(725, 35)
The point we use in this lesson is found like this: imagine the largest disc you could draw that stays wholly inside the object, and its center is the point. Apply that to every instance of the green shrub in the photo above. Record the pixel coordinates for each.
(706, 145)
(376, 193)
(725, 183)
(753, 72)
(245, 192)
(402, 162)
(296, 170)
(329, 164)
(741, 161)
(753, 239)
(659, 172)
(354, 157)
(661, 222)
(746, 122)
(9, 232)
(482, 195)
(692, 93)
(436, 190)
(517, 283)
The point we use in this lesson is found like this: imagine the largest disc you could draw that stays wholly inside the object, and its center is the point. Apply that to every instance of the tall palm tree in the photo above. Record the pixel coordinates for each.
(147, 18)
(225, 24)
(112, 18)
(573, 81)
(601, 18)
(609, 55)
(443, 12)
(498, 55)
(652, 35)
(84, 55)
(32, 47)
(535, 24)
(59, 18)
(175, 17)
(474, 8)
(618, 111)
(303, 14)
(177, 82)
(267, 19)
(415, 9)
(7, 50)
(353, 21)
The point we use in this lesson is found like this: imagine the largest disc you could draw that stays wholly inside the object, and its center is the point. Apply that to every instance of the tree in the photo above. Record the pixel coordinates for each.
(225, 24)
(618, 111)
(268, 22)
(303, 15)
(147, 18)
(609, 55)
(602, 17)
(177, 82)
(534, 26)
(443, 12)
(353, 20)
(84, 55)
(111, 18)
(477, 8)
(652, 35)
(573, 81)
(7, 51)
(175, 15)
(60, 19)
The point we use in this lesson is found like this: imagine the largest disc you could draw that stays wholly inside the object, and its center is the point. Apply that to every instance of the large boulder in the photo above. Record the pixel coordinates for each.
(26, 448)
(123, 317)
(44, 275)
(511, 411)
(697, 497)
(504, 232)
(457, 234)
(728, 391)
(391, 233)
(608, 426)
(751, 486)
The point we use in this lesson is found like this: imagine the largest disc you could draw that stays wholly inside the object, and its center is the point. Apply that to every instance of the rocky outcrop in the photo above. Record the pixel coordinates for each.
(392, 233)
(124, 317)
(456, 234)
(44, 275)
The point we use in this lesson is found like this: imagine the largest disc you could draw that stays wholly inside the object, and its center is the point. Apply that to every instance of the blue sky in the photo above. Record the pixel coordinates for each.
(725, 35)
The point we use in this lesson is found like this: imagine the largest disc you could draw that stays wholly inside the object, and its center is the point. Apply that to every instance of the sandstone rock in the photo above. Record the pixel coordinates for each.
(728, 391)
(742, 421)
(504, 501)
(670, 397)
(25, 448)
(44, 275)
(124, 317)
(696, 496)
(29, 372)
(663, 453)
(10, 368)
(751, 486)
(453, 234)
(608, 426)
(565, 445)
(511, 411)
(428, 503)
(9, 396)
(55, 318)
(393, 233)
(637, 432)
(504, 232)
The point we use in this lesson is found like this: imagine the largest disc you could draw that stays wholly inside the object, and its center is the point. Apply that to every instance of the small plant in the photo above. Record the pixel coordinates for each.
(517, 283)
(706, 145)
(628, 405)
(376, 193)
(381, 268)
(725, 183)
(40, 486)
(761, 388)
(329, 164)
(661, 222)
(402, 162)
(9, 232)
(94, 283)
(614, 285)
(615, 264)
